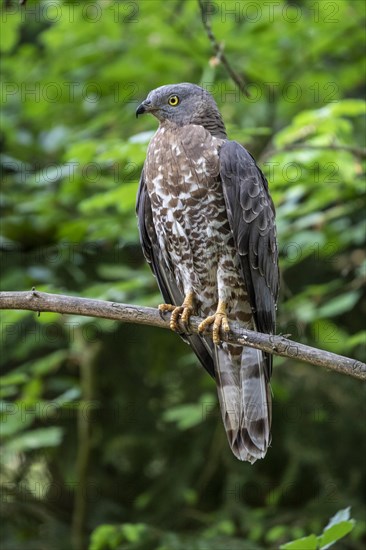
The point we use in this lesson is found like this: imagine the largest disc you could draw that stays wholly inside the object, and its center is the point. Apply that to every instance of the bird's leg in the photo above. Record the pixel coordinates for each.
(218, 320)
(184, 311)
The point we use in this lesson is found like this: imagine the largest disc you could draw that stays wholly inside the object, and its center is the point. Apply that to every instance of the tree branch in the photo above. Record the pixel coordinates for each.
(218, 49)
(276, 345)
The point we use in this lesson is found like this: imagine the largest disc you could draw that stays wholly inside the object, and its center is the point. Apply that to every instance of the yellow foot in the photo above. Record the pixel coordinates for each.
(184, 311)
(219, 320)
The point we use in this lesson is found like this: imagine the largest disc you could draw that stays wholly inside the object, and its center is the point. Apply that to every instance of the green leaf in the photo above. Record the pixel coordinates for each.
(15, 417)
(185, 416)
(111, 536)
(275, 533)
(305, 543)
(36, 439)
(49, 363)
(106, 537)
(123, 198)
(334, 533)
(13, 378)
(134, 532)
(191, 414)
(348, 107)
(338, 527)
(9, 30)
(339, 305)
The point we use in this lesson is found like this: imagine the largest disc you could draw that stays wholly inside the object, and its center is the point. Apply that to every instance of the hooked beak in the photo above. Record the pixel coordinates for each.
(144, 107)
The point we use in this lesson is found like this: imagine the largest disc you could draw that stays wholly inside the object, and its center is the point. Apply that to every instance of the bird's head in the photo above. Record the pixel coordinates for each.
(184, 104)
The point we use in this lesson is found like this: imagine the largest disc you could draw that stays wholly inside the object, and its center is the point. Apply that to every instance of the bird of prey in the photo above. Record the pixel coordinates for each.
(207, 228)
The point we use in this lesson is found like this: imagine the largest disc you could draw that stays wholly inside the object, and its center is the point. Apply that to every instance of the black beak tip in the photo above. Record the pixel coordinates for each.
(140, 110)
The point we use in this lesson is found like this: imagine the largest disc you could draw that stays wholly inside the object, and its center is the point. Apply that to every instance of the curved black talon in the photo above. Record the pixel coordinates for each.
(186, 332)
(161, 313)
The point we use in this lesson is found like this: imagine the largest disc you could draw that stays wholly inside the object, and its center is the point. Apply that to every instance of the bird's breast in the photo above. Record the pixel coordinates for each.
(188, 207)
(189, 211)
(182, 178)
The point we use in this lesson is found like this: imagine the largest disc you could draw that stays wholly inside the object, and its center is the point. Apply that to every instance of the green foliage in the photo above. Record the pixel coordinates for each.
(338, 527)
(122, 415)
(110, 536)
(141, 536)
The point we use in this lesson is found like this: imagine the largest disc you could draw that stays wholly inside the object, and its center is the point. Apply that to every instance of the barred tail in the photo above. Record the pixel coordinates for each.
(245, 400)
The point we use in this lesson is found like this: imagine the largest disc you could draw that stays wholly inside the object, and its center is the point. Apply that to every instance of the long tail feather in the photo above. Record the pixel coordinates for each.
(245, 400)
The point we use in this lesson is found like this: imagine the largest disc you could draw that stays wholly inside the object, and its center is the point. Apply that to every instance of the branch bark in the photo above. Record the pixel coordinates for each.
(218, 49)
(276, 345)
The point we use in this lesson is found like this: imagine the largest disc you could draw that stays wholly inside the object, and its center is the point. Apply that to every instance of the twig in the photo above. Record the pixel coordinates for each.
(357, 151)
(218, 49)
(277, 345)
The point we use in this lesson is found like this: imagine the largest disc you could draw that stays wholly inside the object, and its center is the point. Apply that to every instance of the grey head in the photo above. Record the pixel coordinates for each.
(184, 104)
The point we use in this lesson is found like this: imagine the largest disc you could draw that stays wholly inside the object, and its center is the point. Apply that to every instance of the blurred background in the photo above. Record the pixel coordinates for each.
(111, 434)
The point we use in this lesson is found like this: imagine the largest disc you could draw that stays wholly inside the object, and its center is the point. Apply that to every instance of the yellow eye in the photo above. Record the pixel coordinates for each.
(173, 100)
